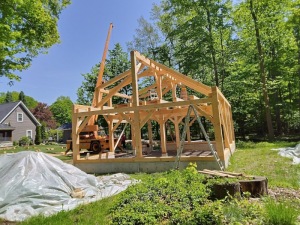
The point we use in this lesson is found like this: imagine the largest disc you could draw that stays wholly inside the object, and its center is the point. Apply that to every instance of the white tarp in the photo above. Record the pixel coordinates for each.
(34, 183)
(290, 152)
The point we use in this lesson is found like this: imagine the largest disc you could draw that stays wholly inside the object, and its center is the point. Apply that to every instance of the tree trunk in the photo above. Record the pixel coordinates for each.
(211, 47)
(262, 74)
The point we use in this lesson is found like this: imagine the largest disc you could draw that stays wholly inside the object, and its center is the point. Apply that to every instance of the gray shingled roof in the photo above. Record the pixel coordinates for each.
(7, 108)
(6, 127)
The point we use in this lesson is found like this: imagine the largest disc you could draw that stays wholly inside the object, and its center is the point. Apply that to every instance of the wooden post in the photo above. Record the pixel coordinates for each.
(174, 96)
(188, 133)
(177, 133)
(163, 145)
(217, 123)
(135, 103)
(150, 135)
(159, 87)
(132, 137)
(75, 136)
(111, 135)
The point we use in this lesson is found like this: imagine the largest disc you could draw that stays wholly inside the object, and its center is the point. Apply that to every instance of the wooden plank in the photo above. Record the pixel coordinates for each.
(187, 153)
(205, 153)
(216, 173)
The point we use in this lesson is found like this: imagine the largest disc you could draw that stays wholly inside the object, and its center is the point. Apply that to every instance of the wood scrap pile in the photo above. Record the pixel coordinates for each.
(219, 173)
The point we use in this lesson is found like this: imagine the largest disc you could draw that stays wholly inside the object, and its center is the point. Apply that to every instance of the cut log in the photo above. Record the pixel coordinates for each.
(220, 191)
(256, 187)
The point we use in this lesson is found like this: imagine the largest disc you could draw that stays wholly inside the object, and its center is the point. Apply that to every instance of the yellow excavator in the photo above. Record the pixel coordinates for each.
(90, 137)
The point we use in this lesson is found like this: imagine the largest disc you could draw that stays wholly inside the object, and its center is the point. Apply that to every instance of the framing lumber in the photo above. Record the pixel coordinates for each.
(141, 110)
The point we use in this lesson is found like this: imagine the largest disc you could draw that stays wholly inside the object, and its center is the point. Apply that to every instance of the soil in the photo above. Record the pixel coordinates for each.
(284, 193)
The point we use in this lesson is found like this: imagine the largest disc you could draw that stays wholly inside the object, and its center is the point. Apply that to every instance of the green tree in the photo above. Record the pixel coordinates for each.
(38, 136)
(27, 28)
(62, 110)
(31, 103)
(44, 115)
(44, 134)
(267, 52)
(200, 33)
(116, 63)
(22, 97)
(8, 97)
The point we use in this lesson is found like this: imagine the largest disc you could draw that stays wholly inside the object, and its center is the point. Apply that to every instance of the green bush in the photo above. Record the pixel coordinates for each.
(24, 141)
(171, 196)
(38, 136)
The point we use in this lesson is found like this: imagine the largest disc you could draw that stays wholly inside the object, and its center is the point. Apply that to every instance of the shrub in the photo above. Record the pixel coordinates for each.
(171, 196)
(24, 141)
(38, 136)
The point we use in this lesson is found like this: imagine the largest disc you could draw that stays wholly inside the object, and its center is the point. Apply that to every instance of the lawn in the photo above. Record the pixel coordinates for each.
(169, 198)
(54, 149)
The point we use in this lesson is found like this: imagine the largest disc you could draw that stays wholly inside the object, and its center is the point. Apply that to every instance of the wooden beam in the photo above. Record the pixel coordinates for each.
(217, 124)
(115, 94)
(150, 135)
(146, 118)
(114, 90)
(135, 104)
(142, 107)
(114, 80)
(197, 86)
(75, 136)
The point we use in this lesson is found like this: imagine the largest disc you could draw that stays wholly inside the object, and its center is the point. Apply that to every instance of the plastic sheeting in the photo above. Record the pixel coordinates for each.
(289, 152)
(34, 183)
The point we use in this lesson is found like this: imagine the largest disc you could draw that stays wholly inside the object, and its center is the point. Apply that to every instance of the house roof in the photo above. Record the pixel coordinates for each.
(65, 126)
(6, 127)
(7, 108)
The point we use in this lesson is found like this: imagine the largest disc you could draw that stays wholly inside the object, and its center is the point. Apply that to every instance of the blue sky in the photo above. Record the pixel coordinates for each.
(83, 27)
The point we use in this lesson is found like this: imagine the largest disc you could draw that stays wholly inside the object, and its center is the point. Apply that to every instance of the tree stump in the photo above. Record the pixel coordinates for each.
(220, 191)
(256, 187)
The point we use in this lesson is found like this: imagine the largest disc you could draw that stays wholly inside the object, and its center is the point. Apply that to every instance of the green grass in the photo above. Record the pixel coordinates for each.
(49, 149)
(280, 212)
(93, 213)
(259, 159)
(250, 158)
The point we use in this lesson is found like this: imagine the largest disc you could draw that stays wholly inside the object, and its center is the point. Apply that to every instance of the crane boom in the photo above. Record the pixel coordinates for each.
(100, 76)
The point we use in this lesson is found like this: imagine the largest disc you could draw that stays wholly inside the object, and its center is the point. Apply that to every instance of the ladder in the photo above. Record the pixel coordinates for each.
(186, 124)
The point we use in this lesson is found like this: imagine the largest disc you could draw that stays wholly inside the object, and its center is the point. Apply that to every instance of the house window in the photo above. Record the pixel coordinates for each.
(20, 117)
(29, 133)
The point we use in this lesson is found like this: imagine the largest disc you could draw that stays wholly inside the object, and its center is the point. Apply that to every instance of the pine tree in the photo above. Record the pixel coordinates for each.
(38, 136)
(8, 97)
(22, 97)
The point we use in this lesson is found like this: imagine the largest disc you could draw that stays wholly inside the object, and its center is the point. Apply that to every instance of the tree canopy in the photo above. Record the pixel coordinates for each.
(15, 96)
(44, 115)
(116, 63)
(250, 49)
(27, 28)
(62, 110)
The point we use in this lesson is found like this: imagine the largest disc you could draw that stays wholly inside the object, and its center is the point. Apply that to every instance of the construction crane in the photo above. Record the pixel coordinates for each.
(90, 139)
(96, 97)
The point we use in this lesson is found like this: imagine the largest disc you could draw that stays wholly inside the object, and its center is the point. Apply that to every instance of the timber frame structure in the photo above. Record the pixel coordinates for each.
(141, 110)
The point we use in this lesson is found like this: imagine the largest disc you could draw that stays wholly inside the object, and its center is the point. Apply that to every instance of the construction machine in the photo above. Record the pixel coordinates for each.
(90, 137)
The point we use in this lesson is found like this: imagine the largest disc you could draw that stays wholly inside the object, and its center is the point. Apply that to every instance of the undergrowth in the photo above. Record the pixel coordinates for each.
(180, 197)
